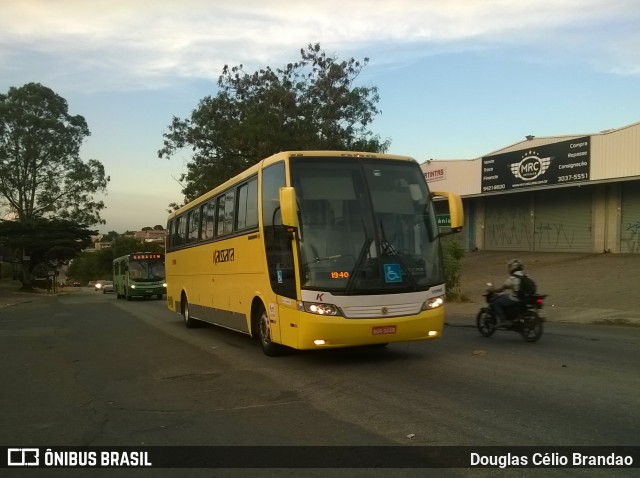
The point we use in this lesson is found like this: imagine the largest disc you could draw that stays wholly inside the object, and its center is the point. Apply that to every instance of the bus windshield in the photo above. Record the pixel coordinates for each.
(365, 226)
(146, 270)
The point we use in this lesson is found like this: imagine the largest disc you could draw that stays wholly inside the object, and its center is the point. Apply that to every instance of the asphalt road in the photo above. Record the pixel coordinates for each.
(88, 370)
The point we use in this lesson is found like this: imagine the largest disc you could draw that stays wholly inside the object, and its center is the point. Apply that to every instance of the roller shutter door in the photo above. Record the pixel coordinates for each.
(507, 222)
(630, 218)
(563, 220)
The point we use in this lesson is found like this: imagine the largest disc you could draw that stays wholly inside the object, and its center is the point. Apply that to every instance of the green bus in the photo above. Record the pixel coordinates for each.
(140, 274)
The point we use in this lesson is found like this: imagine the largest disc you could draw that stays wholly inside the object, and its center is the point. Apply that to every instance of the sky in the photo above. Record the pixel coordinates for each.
(457, 79)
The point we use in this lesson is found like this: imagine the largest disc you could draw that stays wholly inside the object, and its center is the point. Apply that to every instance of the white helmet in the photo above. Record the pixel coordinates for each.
(514, 265)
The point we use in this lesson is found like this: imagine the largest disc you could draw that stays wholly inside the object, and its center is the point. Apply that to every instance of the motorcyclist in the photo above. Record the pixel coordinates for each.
(507, 293)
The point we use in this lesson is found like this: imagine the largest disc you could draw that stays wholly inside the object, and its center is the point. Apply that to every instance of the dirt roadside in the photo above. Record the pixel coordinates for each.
(10, 294)
(581, 287)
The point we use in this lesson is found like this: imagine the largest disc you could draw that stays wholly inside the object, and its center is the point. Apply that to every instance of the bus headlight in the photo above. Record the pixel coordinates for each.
(133, 286)
(319, 308)
(164, 285)
(433, 303)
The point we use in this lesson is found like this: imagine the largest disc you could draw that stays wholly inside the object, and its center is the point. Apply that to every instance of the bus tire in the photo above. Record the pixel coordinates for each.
(126, 294)
(189, 322)
(269, 348)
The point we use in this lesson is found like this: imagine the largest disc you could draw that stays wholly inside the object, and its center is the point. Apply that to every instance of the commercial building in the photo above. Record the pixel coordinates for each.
(573, 193)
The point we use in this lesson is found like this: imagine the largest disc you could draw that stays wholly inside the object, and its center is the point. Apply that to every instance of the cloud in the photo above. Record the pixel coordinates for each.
(151, 44)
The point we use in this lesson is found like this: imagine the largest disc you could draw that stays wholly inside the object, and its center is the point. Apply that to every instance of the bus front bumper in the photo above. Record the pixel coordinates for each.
(146, 291)
(317, 332)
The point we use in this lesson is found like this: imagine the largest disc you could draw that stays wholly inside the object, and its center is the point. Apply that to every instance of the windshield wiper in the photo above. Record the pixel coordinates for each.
(362, 256)
(387, 249)
(356, 269)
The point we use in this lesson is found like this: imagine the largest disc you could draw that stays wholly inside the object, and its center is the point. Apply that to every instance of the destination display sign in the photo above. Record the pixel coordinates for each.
(562, 162)
(145, 256)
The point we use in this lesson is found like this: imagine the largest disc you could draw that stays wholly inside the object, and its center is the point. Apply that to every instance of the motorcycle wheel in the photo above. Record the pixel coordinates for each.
(531, 327)
(485, 322)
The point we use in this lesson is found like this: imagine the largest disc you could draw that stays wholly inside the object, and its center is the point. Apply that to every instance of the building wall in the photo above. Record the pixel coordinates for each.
(630, 217)
(616, 154)
(601, 214)
(458, 175)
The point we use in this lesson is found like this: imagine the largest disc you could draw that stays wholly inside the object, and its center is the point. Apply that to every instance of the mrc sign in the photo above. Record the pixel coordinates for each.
(556, 163)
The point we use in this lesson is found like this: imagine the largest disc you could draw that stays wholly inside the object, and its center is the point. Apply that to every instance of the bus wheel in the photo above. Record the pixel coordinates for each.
(189, 321)
(264, 328)
(126, 294)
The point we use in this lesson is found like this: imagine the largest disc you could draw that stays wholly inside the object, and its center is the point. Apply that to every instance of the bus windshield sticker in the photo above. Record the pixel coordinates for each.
(392, 273)
(279, 274)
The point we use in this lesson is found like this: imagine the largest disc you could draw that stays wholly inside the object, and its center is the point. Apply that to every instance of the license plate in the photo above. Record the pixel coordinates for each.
(384, 329)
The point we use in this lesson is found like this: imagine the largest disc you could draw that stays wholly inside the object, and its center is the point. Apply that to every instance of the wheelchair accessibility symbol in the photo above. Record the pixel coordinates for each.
(392, 273)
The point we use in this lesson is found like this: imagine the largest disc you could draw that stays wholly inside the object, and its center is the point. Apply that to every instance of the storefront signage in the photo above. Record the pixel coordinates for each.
(557, 163)
(443, 220)
(435, 174)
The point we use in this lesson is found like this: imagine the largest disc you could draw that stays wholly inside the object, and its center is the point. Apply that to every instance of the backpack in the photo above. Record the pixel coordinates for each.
(527, 287)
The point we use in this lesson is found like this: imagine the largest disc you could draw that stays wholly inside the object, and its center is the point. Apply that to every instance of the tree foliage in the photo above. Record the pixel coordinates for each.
(41, 173)
(43, 180)
(312, 103)
(50, 243)
(453, 253)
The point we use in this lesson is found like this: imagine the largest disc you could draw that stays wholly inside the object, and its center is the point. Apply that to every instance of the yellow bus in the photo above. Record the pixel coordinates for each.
(313, 250)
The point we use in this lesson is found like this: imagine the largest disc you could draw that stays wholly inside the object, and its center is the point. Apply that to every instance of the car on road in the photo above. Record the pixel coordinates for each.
(98, 285)
(107, 287)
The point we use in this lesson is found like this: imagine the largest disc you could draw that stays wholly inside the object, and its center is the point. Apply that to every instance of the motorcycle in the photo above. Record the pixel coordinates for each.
(523, 319)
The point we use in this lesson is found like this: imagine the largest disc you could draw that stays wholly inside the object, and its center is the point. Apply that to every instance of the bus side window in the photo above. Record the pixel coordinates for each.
(208, 220)
(181, 225)
(169, 234)
(229, 212)
(247, 210)
(193, 226)
(277, 239)
(220, 216)
(252, 204)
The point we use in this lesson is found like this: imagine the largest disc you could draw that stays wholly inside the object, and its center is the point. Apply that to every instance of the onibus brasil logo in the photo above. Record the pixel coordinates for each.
(531, 166)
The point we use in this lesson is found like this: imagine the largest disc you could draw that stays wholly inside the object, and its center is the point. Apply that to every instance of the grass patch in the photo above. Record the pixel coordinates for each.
(458, 297)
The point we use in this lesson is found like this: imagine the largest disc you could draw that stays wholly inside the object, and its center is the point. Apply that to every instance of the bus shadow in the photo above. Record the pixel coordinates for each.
(363, 354)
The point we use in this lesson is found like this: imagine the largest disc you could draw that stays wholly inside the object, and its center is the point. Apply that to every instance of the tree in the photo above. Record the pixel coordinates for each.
(49, 242)
(110, 236)
(41, 172)
(91, 266)
(312, 103)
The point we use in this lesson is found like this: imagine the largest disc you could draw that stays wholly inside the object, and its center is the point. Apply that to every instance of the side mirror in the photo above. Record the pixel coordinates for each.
(455, 210)
(288, 207)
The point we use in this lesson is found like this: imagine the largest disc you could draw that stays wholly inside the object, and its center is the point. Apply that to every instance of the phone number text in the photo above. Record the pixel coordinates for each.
(494, 187)
(573, 177)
